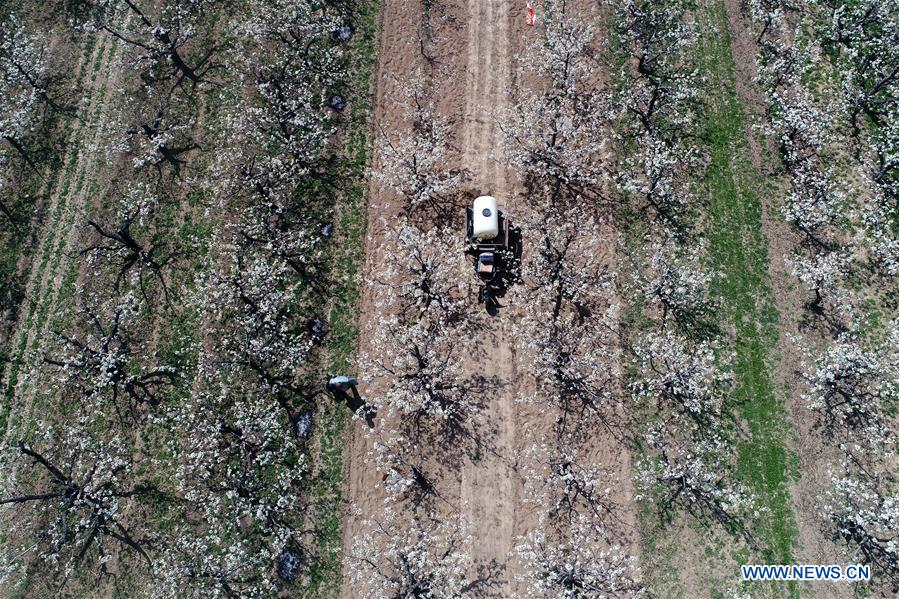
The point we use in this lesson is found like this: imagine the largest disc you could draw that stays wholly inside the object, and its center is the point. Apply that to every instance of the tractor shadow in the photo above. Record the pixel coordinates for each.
(509, 274)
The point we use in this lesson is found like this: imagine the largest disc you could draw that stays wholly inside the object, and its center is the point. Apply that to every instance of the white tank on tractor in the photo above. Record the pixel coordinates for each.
(485, 219)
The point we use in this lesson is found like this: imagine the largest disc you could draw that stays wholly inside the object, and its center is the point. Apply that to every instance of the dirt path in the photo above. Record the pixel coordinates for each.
(482, 31)
(488, 488)
(397, 47)
(487, 71)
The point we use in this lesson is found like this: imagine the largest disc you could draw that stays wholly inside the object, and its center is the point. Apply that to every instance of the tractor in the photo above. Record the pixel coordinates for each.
(489, 240)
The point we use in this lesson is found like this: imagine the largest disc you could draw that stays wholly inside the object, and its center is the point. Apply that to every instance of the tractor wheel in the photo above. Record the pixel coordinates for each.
(487, 297)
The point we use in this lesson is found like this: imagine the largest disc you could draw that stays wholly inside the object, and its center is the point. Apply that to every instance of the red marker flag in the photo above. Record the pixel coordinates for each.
(532, 18)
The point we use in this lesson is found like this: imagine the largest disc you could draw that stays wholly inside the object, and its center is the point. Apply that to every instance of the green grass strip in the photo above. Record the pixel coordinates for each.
(738, 250)
(326, 574)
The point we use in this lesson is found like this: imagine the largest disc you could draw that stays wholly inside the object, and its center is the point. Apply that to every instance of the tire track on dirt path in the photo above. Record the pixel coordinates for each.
(489, 488)
(478, 52)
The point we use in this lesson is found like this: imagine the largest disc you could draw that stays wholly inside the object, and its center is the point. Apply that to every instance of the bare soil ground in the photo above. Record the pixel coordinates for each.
(474, 45)
(476, 49)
